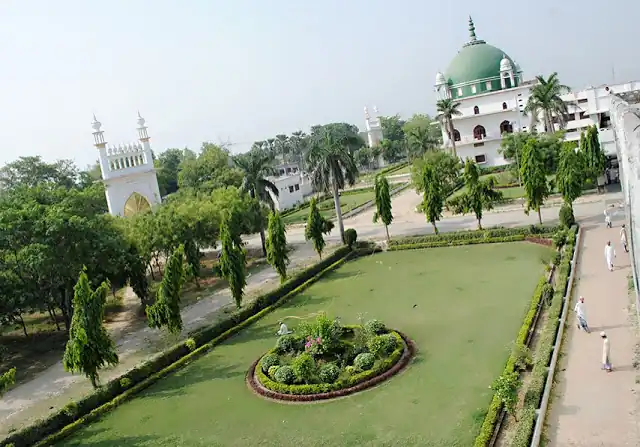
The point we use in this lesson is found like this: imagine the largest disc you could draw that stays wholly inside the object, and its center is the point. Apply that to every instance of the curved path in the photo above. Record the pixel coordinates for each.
(54, 387)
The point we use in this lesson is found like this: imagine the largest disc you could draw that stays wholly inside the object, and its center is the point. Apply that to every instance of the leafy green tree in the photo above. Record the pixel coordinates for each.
(433, 198)
(209, 170)
(89, 347)
(7, 380)
(363, 157)
(392, 151)
(165, 312)
(534, 178)
(33, 171)
(447, 110)
(479, 195)
(232, 263)
(315, 228)
(446, 165)
(298, 143)
(257, 166)
(423, 135)
(192, 255)
(331, 161)
(277, 245)
(570, 175)
(392, 128)
(592, 153)
(383, 203)
(168, 168)
(546, 100)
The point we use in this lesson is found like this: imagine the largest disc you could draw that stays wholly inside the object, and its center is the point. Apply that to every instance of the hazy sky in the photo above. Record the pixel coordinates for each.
(246, 70)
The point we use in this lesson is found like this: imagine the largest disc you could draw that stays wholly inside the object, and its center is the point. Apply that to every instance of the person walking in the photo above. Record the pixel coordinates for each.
(606, 352)
(581, 315)
(609, 254)
(607, 219)
(623, 238)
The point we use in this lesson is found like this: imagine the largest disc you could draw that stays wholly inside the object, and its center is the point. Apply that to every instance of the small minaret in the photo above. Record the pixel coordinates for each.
(506, 72)
(441, 87)
(143, 136)
(373, 126)
(101, 145)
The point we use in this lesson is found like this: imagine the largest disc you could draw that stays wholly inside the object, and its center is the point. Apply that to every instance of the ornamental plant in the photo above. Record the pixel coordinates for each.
(313, 345)
(165, 312)
(364, 361)
(304, 367)
(506, 389)
(285, 375)
(329, 373)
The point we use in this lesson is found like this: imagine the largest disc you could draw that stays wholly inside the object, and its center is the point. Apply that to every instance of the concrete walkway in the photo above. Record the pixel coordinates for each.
(590, 407)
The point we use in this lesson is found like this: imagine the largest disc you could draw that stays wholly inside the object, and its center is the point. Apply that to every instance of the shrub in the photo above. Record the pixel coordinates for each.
(567, 219)
(555, 259)
(522, 356)
(375, 327)
(191, 344)
(287, 343)
(364, 361)
(325, 329)
(304, 367)
(559, 238)
(285, 375)
(268, 361)
(382, 345)
(350, 237)
(351, 370)
(125, 383)
(329, 372)
(273, 370)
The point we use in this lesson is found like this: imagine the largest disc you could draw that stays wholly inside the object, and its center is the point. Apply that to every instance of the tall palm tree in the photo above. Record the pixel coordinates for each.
(420, 140)
(331, 163)
(282, 145)
(257, 165)
(447, 109)
(545, 100)
(298, 146)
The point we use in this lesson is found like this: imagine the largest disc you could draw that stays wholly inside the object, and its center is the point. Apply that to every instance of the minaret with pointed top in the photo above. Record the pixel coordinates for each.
(473, 39)
(373, 127)
(127, 172)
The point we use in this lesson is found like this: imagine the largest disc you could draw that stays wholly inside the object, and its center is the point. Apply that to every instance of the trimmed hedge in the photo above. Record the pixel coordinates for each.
(544, 351)
(319, 388)
(465, 235)
(495, 169)
(73, 416)
(407, 353)
(393, 168)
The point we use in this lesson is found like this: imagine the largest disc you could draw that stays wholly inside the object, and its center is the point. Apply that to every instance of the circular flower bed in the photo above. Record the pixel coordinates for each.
(323, 360)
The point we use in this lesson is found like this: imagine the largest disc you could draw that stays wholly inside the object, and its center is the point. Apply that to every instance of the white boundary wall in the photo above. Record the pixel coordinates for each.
(625, 119)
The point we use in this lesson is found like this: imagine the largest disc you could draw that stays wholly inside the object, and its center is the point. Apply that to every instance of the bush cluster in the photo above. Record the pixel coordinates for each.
(535, 387)
(268, 361)
(350, 237)
(284, 374)
(364, 361)
(375, 327)
(329, 372)
(382, 345)
(61, 424)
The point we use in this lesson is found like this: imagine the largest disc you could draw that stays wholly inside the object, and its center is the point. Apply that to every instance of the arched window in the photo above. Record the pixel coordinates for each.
(476, 110)
(456, 135)
(506, 127)
(504, 106)
(135, 204)
(479, 132)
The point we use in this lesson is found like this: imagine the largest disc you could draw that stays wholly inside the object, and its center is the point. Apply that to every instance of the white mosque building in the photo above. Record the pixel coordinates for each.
(492, 92)
(127, 171)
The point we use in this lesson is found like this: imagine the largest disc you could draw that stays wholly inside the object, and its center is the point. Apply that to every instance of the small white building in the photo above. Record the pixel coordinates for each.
(493, 93)
(127, 171)
(293, 186)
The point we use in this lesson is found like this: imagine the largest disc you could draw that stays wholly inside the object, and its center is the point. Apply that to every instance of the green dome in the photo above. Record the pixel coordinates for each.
(475, 62)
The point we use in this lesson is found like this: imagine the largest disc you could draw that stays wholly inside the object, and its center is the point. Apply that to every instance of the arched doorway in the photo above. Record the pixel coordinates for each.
(479, 132)
(135, 204)
(506, 127)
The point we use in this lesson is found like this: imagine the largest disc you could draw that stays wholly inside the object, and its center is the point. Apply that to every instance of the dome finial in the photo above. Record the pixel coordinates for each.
(472, 30)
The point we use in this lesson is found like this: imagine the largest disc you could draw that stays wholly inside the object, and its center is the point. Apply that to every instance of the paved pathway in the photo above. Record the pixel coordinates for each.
(590, 407)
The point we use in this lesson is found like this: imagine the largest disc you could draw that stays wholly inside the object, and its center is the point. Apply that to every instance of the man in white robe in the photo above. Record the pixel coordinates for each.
(607, 219)
(581, 315)
(609, 254)
(283, 329)
(606, 352)
(623, 238)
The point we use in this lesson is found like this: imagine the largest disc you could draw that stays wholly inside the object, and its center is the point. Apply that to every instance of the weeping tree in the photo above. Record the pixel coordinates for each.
(592, 153)
(433, 197)
(534, 178)
(277, 245)
(383, 203)
(232, 262)
(570, 174)
(89, 347)
(315, 228)
(192, 256)
(165, 312)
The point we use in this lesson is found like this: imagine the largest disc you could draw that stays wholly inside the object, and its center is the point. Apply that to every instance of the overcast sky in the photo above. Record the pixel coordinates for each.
(245, 70)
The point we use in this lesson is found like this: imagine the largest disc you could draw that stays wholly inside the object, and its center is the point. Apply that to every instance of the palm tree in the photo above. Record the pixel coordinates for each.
(298, 146)
(545, 100)
(420, 140)
(282, 145)
(331, 163)
(257, 165)
(447, 109)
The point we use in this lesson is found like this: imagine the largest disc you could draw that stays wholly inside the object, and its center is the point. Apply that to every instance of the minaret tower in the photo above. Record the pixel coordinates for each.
(127, 171)
(374, 131)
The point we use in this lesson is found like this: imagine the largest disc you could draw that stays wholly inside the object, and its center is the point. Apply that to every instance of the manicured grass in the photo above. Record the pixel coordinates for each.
(347, 203)
(515, 192)
(404, 170)
(462, 306)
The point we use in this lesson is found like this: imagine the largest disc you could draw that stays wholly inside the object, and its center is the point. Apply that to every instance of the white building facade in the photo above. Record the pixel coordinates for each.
(373, 132)
(293, 186)
(127, 171)
(493, 93)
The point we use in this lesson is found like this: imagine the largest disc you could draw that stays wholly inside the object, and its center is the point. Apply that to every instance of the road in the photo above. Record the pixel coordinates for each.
(54, 387)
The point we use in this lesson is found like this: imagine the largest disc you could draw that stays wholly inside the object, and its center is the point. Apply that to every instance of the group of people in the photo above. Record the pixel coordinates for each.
(579, 309)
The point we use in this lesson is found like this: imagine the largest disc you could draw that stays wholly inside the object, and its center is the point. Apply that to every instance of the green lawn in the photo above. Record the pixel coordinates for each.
(503, 178)
(347, 203)
(463, 306)
(404, 170)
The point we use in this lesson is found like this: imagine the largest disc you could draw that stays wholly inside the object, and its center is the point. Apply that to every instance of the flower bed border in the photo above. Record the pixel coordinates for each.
(258, 388)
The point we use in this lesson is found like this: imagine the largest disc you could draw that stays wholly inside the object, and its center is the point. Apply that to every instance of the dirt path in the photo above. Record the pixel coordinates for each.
(54, 388)
(593, 408)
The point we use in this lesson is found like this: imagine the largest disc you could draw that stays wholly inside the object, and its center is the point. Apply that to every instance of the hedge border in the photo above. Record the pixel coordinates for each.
(66, 421)
(531, 230)
(253, 378)
(539, 374)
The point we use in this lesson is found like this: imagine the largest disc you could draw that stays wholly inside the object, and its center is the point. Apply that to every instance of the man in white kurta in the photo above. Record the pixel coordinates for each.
(623, 238)
(606, 352)
(609, 254)
(607, 219)
(581, 314)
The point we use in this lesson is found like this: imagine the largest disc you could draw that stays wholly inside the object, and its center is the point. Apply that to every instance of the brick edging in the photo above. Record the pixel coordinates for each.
(401, 364)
